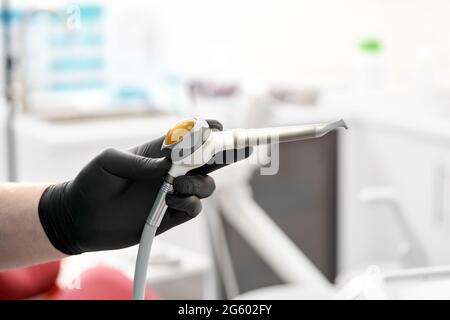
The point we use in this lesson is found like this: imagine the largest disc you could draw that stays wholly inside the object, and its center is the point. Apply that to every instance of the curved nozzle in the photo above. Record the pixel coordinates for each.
(323, 129)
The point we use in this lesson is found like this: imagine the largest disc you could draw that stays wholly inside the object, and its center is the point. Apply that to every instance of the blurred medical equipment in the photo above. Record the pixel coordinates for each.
(296, 96)
(430, 283)
(214, 99)
(15, 84)
(192, 144)
(234, 200)
(3, 143)
(6, 84)
(224, 210)
(69, 77)
(21, 88)
(411, 250)
(198, 88)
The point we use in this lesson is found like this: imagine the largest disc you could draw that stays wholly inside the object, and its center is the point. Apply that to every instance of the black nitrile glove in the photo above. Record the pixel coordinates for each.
(106, 205)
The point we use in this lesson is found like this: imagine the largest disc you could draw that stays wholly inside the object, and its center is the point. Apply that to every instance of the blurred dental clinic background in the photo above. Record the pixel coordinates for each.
(80, 76)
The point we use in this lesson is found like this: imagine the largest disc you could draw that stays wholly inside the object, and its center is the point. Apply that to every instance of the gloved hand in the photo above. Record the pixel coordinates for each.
(107, 204)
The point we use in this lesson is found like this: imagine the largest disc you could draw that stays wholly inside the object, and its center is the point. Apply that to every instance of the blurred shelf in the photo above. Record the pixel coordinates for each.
(68, 115)
(82, 131)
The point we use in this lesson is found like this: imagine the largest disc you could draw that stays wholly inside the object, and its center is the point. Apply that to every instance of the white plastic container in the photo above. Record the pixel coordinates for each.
(367, 68)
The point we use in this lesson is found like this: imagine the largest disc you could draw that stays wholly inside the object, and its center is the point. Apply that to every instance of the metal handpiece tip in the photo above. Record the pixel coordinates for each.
(341, 124)
(330, 127)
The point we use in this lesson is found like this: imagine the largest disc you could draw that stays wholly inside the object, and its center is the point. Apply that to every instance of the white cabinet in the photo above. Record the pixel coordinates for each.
(416, 165)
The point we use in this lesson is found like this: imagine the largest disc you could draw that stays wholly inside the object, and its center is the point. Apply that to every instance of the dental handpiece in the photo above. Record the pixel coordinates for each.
(192, 144)
(239, 138)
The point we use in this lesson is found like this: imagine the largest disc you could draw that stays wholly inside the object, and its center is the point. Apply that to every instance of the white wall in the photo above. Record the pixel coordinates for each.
(310, 41)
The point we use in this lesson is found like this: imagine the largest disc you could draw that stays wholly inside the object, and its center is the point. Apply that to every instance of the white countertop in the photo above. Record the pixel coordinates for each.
(55, 133)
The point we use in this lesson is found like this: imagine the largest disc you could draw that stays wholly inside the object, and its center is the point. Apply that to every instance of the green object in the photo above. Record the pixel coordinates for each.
(370, 45)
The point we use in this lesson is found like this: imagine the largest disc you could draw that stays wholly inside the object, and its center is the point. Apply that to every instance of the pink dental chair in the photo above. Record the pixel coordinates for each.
(39, 282)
